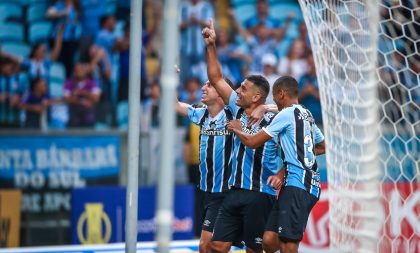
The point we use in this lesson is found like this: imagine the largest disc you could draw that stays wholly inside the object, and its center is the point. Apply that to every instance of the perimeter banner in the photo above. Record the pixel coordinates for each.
(47, 167)
(98, 214)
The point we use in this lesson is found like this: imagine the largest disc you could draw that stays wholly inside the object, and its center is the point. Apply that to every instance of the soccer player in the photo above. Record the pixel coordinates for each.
(215, 153)
(246, 207)
(300, 140)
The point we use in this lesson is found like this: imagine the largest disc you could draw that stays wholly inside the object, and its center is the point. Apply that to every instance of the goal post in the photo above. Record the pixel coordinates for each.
(367, 58)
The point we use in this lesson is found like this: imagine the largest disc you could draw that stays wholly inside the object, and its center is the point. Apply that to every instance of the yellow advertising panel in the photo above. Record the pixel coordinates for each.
(10, 218)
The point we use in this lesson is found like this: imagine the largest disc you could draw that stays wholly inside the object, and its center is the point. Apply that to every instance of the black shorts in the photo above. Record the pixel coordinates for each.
(243, 214)
(273, 219)
(212, 203)
(294, 206)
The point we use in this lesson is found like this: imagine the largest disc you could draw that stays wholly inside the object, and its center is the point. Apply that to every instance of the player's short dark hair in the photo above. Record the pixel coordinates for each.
(288, 84)
(228, 81)
(261, 83)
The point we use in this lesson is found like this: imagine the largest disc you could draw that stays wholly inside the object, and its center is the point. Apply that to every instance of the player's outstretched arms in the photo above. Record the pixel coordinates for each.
(214, 70)
(252, 141)
(181, 108)
(320, 148)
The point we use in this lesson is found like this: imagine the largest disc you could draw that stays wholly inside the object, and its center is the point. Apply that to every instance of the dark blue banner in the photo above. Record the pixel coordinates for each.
(98, 214)
(47, 167)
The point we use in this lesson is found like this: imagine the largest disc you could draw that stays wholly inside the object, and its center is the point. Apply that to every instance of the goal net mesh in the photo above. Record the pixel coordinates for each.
(368, 65)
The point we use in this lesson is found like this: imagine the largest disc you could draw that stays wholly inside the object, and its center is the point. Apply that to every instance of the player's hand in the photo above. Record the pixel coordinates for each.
(257, 115)
(209, 34)
(234, 125)
(275, 181)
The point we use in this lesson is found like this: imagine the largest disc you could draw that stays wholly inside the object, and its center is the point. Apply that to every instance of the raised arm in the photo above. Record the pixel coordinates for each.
(214, 70)
(55, 53)
(181, 108)
(252, 141)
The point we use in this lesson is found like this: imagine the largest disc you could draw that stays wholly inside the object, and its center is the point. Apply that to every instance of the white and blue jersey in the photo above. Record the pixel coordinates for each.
(296, 132)
(215, 148)
(252, 167)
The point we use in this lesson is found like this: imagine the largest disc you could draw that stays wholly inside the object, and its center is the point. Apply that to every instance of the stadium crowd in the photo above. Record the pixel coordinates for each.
(71, 61)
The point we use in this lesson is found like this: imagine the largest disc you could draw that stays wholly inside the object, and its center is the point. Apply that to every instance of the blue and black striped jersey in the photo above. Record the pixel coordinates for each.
(252, 167)
(215, 148)
(296, 132)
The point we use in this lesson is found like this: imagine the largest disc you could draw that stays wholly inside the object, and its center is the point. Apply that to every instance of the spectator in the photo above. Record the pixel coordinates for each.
(66, 13)
(269, 62)
(191, 93)
(195, 15)
(11, 92)
(260, 44)
(39, 62)
(123, 46)
(262, 17)
(192, 160)
(151, 106)
(106, 37)
(303, 35)
(309, 92)
(93, 10)
(295, 63)
(99, 68)
(35, 103)
(81, 93)
(231, 57)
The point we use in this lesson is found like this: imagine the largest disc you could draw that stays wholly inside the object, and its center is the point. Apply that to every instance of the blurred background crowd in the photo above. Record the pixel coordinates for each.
(65, 63)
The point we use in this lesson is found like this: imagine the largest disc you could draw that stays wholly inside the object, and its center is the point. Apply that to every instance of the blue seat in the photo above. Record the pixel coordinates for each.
(237, 3)
(111, 6)
(57, 72)
(39, 31)
(56, 87)
(36, 12)
(11, 32)
(122, 114)
(10, 10)
(281, 11)
(19, 49)
(244, 12)
(29, 2)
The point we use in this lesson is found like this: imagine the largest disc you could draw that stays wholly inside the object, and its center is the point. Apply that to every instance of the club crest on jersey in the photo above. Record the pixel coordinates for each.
(250, 130)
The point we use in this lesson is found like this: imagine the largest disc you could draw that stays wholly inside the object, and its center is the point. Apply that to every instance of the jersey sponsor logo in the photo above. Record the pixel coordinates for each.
(280, 230)
(214, 132)
(212, 128)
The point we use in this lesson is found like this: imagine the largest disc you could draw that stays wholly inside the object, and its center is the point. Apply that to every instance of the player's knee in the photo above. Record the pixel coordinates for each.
(218, 247)
(269, 243)
(289, 247)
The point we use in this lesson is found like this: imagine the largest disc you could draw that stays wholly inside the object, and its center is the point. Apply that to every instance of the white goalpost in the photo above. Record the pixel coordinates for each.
(368, 65)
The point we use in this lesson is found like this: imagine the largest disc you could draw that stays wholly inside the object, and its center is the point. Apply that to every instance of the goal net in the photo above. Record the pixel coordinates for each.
(368, 65)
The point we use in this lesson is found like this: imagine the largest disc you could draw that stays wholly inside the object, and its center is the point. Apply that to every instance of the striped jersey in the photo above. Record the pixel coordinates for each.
(215, 148)
(252, 167)
(296, 132)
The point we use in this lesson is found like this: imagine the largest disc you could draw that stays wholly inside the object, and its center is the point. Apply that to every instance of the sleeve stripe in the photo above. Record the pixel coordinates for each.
(267, 132)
